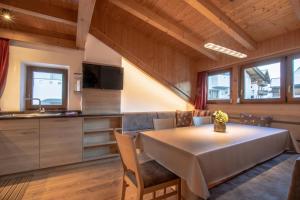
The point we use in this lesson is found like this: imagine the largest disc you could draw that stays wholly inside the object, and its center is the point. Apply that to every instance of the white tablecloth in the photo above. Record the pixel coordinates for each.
(203, 157)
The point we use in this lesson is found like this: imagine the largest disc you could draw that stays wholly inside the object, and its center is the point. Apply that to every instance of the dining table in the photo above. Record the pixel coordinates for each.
(204, 158)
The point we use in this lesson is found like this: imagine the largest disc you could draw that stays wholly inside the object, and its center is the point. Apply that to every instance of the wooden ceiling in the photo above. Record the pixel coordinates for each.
(184, 24)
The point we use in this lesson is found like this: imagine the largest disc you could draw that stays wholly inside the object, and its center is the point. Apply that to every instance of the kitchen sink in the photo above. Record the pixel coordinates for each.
(21, 115)
(35, 114)
(6, 115)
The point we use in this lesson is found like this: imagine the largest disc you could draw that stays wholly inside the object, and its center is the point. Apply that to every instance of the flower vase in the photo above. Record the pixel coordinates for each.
(219, 127)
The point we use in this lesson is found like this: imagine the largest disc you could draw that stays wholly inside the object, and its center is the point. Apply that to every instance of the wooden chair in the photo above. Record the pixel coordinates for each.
(148, 177)
(164, 123)
(294, 193)
(198, 121)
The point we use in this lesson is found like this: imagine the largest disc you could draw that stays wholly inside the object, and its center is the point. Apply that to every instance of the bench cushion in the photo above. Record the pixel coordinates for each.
(138, 121)
(166, 115)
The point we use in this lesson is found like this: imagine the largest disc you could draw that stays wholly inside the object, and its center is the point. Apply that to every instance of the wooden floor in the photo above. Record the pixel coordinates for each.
(101, 180)
(97, 180)
(13, 188)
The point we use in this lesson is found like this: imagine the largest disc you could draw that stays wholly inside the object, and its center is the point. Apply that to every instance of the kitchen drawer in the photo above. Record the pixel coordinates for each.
(19, 124)
(19, 150)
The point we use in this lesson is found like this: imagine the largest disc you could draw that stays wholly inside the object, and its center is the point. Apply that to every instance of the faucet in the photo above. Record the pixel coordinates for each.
(41, 109)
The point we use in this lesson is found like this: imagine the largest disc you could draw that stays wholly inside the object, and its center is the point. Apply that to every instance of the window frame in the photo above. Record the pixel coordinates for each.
(290, 79)
(221, 101)
(29, 86)
(282, 98)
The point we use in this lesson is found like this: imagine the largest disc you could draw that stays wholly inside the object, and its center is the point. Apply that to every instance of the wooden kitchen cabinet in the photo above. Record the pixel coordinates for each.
(60, 141)
(19, 145)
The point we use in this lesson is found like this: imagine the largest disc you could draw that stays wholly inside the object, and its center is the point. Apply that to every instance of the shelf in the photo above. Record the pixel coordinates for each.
(102, 157)
(100, 144)
(102, 130)
(99, 141)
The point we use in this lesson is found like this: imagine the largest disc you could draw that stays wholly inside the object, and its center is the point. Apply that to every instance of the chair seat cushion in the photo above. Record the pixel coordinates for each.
(153, 174)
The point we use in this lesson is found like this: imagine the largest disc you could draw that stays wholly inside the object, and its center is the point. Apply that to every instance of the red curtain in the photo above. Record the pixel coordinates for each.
(201, 92)
(4, 49)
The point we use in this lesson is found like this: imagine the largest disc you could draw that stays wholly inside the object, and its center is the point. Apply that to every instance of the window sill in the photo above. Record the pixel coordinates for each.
(219, 102)
(293, 101)
(265, 101)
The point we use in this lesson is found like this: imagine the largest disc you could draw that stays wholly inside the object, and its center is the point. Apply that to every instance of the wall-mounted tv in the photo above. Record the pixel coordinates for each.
(102, 76)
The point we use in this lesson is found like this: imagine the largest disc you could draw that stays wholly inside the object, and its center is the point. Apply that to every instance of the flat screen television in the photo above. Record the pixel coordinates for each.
(102, 77)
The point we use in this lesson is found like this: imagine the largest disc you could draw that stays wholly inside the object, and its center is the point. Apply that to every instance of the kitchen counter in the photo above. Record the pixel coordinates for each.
(32, 140)
(37, 115)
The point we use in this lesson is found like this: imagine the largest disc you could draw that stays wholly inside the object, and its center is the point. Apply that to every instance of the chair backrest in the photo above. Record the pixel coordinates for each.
(198, 121)
(294, 193)
(164, 123)
(129, 158)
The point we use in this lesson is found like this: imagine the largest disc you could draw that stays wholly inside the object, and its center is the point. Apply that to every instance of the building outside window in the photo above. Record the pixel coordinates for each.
(219, 86)
(262, 82)
(47, 84)
(296, 78)
(47, 87)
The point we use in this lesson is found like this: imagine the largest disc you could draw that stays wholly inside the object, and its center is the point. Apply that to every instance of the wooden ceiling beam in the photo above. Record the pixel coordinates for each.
(220, 19)
(164, 25)
(85, 14)
(296, 7)
(43, 32)
(41, 10)
(35, 38)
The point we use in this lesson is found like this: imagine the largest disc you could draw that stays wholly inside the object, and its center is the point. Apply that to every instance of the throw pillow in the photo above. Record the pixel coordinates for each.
(184, 118)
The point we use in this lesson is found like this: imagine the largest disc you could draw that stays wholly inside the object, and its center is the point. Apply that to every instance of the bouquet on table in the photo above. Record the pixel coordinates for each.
(220, 120)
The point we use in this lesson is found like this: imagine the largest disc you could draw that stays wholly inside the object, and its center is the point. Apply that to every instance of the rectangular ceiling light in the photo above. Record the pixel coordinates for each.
(224, 50)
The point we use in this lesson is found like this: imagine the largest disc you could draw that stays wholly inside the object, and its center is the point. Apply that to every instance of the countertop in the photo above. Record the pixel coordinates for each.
(61, 114)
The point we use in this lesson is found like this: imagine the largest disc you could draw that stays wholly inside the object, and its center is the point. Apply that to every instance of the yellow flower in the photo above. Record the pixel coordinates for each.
(220, 117)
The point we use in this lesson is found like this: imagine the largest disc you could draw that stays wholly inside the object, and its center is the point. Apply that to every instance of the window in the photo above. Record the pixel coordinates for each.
(219, 86)
(296, 78)
(47, 84)
(263, 82)
(293, 78)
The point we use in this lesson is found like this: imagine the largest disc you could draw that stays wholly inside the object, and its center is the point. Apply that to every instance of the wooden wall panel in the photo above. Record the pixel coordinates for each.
(279, 45)
(101, 101)
(286, 115)
(159, 59)
(279, 112)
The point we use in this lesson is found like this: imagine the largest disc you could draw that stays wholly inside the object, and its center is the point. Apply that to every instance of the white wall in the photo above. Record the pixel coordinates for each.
(141, 93)
(98, 52)
(21, 54)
